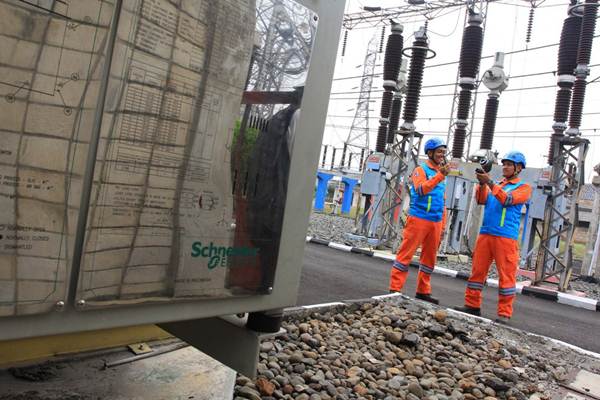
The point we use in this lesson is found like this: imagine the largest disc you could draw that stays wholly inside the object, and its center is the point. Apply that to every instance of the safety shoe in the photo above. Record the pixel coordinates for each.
(503, 319)
(427, 297)
(469, 310)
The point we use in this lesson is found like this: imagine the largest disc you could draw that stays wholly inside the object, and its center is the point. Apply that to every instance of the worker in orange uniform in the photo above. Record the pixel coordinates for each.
(425, 221)
(497, 239)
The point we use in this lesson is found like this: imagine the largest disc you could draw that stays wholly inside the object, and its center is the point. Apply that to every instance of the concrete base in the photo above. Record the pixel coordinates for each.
(182, 374)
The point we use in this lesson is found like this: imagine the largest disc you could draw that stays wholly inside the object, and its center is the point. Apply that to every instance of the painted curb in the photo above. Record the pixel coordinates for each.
(522, 288)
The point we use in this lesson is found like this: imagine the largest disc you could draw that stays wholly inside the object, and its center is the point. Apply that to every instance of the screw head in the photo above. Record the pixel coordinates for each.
(60, 305)
(232, 226)
(270, 289)
(81, 303)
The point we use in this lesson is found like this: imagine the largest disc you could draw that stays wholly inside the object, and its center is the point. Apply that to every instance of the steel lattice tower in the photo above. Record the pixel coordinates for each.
(358, 137)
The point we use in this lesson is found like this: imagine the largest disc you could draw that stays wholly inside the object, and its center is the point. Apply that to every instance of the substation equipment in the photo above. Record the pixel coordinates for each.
(550, 218)
(156, 232)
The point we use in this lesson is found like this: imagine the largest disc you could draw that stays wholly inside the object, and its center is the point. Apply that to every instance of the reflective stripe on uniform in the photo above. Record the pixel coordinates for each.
(425, 269)
(475, 285)
(511, 291)
(428, 203)
(399, 266)
(503, 216)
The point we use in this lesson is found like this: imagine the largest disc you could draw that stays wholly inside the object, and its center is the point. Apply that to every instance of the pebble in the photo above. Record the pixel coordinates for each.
(386, 350)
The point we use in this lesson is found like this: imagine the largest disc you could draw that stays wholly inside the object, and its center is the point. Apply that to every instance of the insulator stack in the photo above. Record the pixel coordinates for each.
(344, 42)
(394, 117)
(561, 109)
(567, 62)
(470, 51)
(386, 104)
(464, 101)
(415, 79)
(569, 42)
(470, 57)
(584, 53)
(344, 150)
(530, 24)
(362, 159)
(382, 39)
(496, 80)
(393, 57)
(391, 67)
(489, 122)
(577, 103)
(382, 133)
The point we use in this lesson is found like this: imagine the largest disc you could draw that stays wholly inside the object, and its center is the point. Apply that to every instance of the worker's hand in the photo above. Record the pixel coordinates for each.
(483, 178)
(445, 169)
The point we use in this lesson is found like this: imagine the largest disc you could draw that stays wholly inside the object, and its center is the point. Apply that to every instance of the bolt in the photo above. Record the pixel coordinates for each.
(60, 305)
(81, 303)
(270, 289)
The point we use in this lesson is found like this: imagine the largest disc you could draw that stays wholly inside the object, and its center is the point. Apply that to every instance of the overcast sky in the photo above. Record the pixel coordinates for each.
(505, 31)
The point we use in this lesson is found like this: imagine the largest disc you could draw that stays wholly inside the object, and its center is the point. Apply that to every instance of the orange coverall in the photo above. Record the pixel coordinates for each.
(419, 232)
(503, 250)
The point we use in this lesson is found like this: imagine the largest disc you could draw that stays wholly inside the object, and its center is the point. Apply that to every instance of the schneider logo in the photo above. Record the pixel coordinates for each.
(219, 256)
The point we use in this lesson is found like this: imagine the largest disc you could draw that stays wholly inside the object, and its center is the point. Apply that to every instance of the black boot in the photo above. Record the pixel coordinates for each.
(469, 310)
(503, 319)
(427, 298)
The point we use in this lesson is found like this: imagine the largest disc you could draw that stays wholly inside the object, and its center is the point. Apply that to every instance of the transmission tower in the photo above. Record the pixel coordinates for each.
(358, 137)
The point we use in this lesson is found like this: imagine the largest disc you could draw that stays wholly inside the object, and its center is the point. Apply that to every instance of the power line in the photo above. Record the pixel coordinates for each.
(456, 62)
(453, 84)
(452, 94)
(446, 118)
(549, 130)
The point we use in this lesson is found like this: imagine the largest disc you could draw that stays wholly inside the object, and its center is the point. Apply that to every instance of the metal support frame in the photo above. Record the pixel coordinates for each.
(404, 155)
(358, 137)
(553, 258)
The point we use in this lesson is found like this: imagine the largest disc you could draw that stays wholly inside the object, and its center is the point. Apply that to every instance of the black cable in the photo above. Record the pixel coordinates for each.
(454, 83)
(456, 62)
(447, 118)
(452, 94)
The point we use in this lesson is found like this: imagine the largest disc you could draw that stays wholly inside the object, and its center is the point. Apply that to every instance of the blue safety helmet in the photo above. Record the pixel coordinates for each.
(433, 144)
(515, 156)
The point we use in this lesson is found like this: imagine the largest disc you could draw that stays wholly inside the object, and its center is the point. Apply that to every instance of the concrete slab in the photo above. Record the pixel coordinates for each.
(587, 382)
(182, 374)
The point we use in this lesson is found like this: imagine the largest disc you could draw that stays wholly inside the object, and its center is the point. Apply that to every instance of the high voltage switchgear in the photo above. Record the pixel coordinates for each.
(584, 53)
(419, 48)
(496, 80)
(391, 67)
(470, 56)
(567, 61)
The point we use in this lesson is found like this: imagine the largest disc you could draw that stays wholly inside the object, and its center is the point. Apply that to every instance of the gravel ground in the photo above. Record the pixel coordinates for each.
(591, 289)
(401, 349)
(334, 228)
